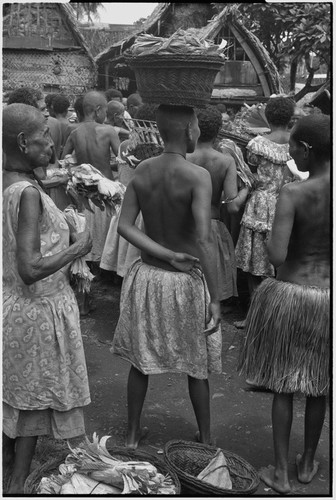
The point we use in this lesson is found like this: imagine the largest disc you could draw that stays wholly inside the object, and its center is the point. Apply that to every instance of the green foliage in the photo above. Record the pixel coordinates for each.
(290, 32)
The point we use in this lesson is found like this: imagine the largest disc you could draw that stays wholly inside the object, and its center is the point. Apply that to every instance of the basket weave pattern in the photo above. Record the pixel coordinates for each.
(51, 467)
(175, 79)
(188, 459)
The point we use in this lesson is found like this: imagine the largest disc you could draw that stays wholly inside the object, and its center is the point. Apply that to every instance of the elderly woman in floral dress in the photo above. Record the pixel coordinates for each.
(45, 383)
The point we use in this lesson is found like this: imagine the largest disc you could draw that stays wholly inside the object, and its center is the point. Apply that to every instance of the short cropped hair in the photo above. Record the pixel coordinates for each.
(134, 99)
(315, 131)
(112, 94)
(25, 95)
(60, 104)
(172, 119)
(17, 118)
(279, 110)
(209, 122)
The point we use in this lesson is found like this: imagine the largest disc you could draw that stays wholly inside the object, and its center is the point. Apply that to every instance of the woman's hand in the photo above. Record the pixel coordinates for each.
(183, 261)
(83, 242)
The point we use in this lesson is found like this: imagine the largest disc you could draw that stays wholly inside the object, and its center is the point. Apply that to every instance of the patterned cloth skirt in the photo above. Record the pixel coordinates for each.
(49, 422)
(162, 321)
(287, 343)
(251, 253)
(226, 262)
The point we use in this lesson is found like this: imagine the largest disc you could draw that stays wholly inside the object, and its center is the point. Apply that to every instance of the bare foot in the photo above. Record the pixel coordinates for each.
(304, 473)
(212, 442)
(279, 484)
(133, 443)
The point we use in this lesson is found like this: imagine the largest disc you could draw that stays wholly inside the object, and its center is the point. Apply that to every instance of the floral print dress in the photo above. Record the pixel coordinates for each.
(43, 355)
(270, 159)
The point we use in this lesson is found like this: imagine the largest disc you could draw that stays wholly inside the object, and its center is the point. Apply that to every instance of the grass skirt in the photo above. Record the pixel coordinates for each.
(287, 343)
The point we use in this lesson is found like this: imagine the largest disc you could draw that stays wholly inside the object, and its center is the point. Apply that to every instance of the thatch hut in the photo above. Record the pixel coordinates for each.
(248, 75)
(43, 48)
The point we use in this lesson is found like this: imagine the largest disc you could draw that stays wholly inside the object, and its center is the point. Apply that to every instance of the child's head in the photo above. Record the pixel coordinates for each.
(209, 122)
(279, 111)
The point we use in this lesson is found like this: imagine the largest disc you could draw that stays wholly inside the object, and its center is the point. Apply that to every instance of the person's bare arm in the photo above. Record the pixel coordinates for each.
(129, 231)
(233, 198)
(277, 244)
(114, 141)
(201, 209)
(68, 146)
(32, 266)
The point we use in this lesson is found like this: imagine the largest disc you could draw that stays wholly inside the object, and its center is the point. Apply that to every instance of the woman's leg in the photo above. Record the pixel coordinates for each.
(200, 399)
(282, 416)
(136, 393)
(24, 452)
(8, 450)
(314, 418)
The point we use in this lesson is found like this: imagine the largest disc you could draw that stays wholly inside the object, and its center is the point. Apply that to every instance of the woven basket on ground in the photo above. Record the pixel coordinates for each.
(52, 465)
(175, 79)
(188, 459)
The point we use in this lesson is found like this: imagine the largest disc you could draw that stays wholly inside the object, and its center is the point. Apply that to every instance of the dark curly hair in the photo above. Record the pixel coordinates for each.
(279, 110)
(60, 104)
(25, 95)
(209, 122)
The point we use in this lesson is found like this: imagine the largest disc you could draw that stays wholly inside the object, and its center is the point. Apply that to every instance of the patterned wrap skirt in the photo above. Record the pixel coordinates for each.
(162, 322)
(287, 343)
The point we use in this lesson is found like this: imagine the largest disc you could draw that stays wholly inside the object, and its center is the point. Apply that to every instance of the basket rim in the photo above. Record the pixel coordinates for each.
(183, 56)
(197, 484)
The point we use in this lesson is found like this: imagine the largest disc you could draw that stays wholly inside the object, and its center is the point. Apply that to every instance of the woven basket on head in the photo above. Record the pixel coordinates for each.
(124, 454)
(175, 79)
(188, 459)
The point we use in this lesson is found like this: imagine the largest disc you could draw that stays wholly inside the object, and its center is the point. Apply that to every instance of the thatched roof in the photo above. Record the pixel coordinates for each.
(66, 13)
(74, 26)
(151, 24)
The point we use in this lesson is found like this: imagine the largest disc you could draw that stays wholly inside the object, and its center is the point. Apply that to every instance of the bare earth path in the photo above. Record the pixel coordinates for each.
(241, 420)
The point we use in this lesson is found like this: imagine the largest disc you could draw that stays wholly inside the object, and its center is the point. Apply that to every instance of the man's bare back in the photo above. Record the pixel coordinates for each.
(165, 190)
(92, 143)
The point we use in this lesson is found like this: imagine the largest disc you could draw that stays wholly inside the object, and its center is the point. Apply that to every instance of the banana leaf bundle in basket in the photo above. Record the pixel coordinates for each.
(93, 469)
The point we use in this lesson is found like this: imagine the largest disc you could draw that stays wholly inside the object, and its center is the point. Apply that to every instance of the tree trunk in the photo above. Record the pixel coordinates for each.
(293, 71)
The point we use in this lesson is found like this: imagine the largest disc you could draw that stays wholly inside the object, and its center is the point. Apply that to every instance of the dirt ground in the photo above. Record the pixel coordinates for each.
(241, 419)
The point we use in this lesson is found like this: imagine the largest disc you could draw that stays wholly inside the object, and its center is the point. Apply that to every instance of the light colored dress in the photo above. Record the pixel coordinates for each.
(118, 254)
(162, 322)
(43, 356)
(270, 159)
(226, 262)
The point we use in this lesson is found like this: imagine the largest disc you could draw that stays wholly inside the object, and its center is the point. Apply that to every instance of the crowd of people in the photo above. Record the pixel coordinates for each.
(176, 258)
